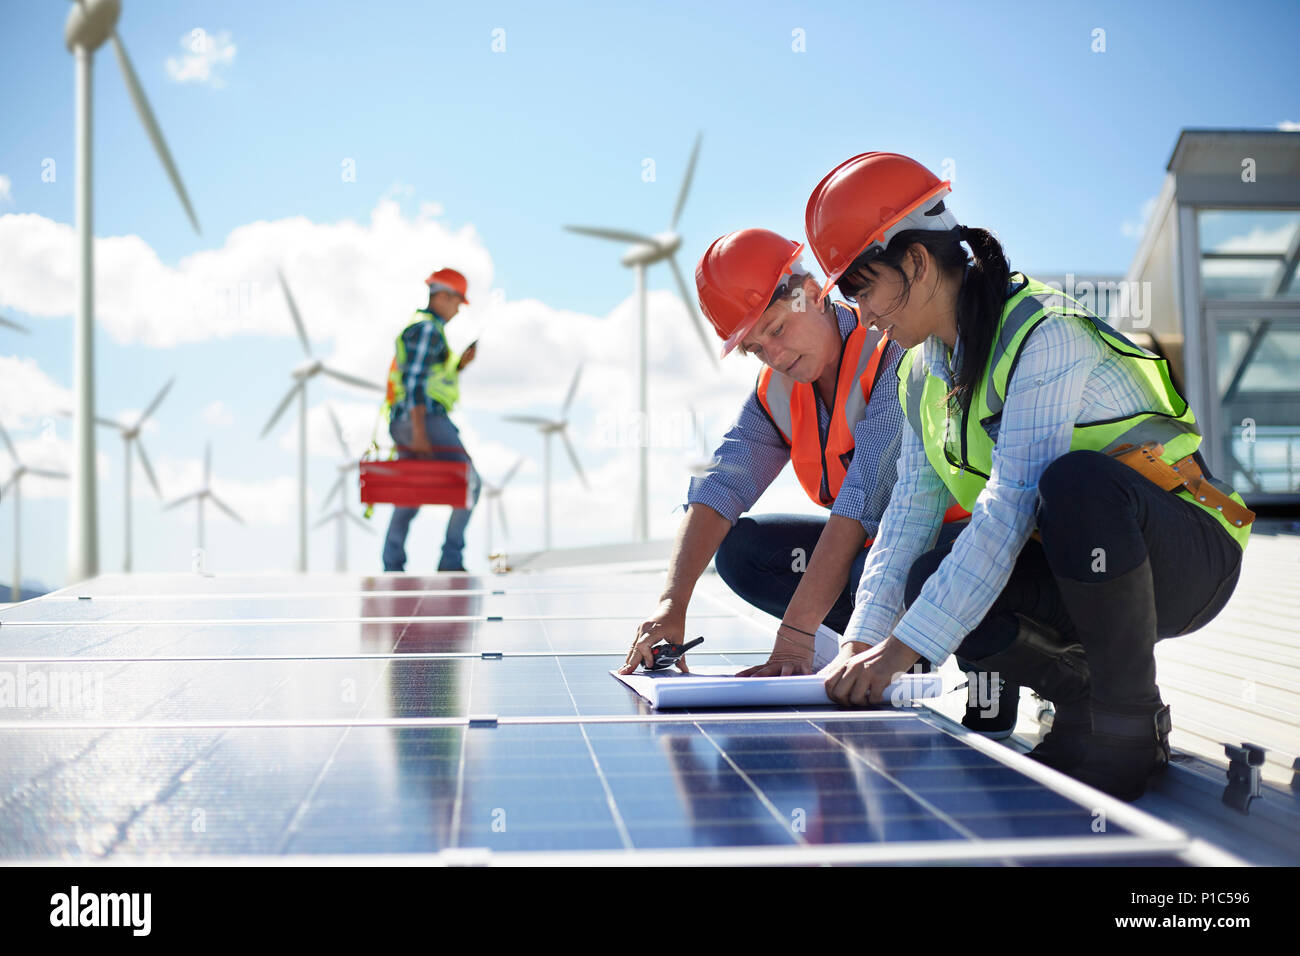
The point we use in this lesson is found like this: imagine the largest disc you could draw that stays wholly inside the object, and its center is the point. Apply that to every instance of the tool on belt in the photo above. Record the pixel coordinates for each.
(1145, 460)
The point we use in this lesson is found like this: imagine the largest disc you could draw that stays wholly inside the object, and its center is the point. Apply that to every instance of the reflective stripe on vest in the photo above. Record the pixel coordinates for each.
(961, 451)
(442, 384)
(792, 406)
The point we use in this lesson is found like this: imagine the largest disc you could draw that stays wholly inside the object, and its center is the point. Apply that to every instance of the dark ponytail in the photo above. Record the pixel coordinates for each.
(979, 307)
(979, 303)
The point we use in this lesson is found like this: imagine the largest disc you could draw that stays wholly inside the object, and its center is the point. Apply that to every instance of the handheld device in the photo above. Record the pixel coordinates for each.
(666, 655)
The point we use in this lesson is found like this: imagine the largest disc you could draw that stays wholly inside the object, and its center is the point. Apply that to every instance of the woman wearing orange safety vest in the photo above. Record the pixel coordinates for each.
(1095, 531)
(826, 401)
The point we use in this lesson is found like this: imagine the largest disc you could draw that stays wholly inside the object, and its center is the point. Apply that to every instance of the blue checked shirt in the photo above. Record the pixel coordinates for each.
(426, 346)
(1065, 374)
(753, 452)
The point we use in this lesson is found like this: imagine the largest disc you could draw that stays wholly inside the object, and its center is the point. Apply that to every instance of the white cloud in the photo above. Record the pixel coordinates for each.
(218, 414)
(1289, 126)
(259, 503)
(28, 397)
(49, 452)
(205, 55)
(1260, 239)
(6, 189)
(1134, 229)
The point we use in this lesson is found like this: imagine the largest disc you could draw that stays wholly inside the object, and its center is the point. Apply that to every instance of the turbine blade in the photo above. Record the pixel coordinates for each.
(351, 379)
(13, 452)
(157, 400)
(509, 474)
(573, 388)
(686, 182)
(4, 489)
(618, 235)
(338, 429)
(151, 127)
(359, 523)
(279, 409)
(180, 501)
(148, 468)
(334, 490)
(108, 423)
(325, 520)
(690, 307)
(46, 473)
(10, 323)
(573, 456)
(226, 508)
(293, 313)
(527, 419)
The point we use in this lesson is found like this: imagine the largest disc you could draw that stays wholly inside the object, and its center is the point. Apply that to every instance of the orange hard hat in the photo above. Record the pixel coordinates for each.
(866, 201)
(451, 280)
(737, 277)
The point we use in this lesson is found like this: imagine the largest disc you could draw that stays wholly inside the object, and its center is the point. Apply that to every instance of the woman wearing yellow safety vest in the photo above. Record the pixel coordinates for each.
(1095, 530)
(826, 402)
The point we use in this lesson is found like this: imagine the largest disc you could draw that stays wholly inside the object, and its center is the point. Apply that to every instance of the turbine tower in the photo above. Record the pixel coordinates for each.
(346, 469)
(205, 492)
(493, 495)
(131, 437)
(303, 373)
(16, 483)
(646, 251)
(89, 25)
(550, 427)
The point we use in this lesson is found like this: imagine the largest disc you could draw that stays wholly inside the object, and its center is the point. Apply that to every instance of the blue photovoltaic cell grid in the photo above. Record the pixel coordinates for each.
(288, 680)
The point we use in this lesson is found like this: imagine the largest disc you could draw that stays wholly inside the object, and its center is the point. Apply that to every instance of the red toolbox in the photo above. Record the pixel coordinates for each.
(411, 482)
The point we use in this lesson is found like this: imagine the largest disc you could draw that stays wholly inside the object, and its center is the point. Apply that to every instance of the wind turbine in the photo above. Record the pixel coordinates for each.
(493, 494)
(701, 466)
(346, 469)
(204, 492)
(89, 25)
(11, 324)
(645, 252)
(131, 435)
(303, 373)
(549, 427)
(16, 483)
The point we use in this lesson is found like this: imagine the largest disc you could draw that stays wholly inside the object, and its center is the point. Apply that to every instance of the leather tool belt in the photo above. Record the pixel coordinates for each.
(1184, 473)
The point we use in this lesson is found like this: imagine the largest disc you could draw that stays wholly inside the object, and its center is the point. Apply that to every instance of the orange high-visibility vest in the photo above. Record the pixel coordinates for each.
(792, 407)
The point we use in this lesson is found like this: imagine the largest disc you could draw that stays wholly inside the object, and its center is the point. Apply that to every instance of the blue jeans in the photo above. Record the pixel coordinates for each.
(760, 560)
(441, 434)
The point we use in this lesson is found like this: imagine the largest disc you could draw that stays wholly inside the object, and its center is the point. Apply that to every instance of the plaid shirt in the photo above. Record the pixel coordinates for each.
(1065, 374)
(753, 452)
(426, 346)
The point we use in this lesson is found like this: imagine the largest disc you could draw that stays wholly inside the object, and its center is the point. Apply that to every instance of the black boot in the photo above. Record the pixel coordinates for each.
(1126, 747)
(1059, 672)
(1116, 623)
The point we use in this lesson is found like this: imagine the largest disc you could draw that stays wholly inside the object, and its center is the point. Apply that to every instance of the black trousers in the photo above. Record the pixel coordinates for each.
(1098, 520)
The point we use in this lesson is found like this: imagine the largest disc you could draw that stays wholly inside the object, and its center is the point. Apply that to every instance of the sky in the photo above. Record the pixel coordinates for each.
(357, 149)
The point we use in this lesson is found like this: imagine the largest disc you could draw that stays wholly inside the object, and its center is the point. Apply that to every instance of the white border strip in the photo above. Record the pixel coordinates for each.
(457, 721)
(1115, 849)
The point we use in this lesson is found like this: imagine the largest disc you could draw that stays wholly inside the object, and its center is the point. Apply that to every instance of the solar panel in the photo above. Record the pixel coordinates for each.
(273, 715)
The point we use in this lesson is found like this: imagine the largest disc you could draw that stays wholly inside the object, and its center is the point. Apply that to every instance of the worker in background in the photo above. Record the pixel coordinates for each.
(1093, 533)
(423, 386)
(826, 401)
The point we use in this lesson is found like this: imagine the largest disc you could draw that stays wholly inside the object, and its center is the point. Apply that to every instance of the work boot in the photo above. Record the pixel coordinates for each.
(996, 717)
(1116, 623)
(1056, 671)
(1125, 748)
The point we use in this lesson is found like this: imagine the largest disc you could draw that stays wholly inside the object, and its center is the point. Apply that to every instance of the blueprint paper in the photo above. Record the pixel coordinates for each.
(717, 686)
